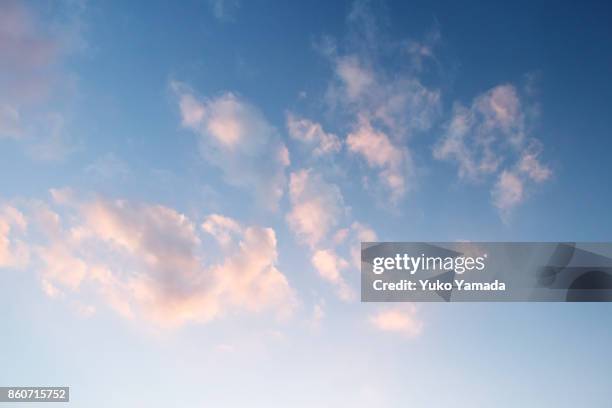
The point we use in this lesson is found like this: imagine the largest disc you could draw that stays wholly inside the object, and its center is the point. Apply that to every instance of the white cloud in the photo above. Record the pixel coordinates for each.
(491, 138)
(223, 229)
(530, 164)
(480, 137)
(379, 152)
(316, 206)
(13, 252)
(60, 266)
(401, 320)
(454, 146)
(149, 261)
(330, 266)
(398, 101)
(507, 192)
(236, 138)
(312, 134)
(389, 105)
(355, 78)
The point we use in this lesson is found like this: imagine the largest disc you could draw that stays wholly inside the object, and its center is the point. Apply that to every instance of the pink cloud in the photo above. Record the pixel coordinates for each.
(316, 206)
(491, 138)
(330, 266)
(507, 192)
(149, 261)
(235, 137)
(34, 82)
(13, 251)
(379, 153)
(401, 320)
(312, 133)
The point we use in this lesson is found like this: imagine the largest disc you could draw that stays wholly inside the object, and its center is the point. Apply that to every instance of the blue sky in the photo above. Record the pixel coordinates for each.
(183, 190)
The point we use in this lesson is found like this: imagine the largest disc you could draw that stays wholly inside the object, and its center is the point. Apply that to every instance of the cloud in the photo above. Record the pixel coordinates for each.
(60, 267)
(224, 10)
(28, 55)
(507, 192)
(355, 78)
(491, 138)
(389, 104)
(222, 228)
(318, 314)
(364, 82)
(312, 134)
(329, 266)
(235, 137)
(13, 252)
(401, 320)
(530, 165)
(316, 206)
(422, 51)
(35, 90)
(360, 233)
(317, 209)
(477, 138)
(379, 153)
(398, 101)
(149, 261)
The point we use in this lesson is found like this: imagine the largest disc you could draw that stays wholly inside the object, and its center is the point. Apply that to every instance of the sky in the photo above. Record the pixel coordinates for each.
(183, 191)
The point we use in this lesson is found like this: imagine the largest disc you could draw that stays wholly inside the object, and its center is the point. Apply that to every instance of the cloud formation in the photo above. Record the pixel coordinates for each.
(313, 135)
(401, 320)
(491, 137)
(34, 88)
(236, 138)
(317, 210)
(330, 266)
(13, 252)
(508, 191)
(149, 260)
(387, 106)
(399, 102)
(316, 206)
(376, 148)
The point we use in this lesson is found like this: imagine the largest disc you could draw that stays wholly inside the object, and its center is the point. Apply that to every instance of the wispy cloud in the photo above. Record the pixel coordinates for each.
(492, 137)
(316, 206)
(35, 87)
(388, 105)
(224, 10)
(507, 192)
(14, 253)
(330, 267)
(394, 163)
(235, 137)
(312, 134)
(316, 217)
